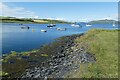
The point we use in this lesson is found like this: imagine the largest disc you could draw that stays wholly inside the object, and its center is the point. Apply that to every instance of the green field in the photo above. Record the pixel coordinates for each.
(104, 45)
(29, 20)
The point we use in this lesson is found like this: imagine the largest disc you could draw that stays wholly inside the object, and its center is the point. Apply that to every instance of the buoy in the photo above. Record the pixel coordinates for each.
(33, 30)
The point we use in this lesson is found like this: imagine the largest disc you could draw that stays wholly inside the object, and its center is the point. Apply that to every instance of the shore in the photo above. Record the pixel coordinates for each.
(30, 20)
(77, 56)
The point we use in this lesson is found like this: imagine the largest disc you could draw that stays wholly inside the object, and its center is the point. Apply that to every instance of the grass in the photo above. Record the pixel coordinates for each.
(40, 21)
(104, 45)
(15, 63)
(3, 73)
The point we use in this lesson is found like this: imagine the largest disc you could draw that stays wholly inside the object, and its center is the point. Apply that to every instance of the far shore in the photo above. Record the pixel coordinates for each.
(29, 20)
(49, 21)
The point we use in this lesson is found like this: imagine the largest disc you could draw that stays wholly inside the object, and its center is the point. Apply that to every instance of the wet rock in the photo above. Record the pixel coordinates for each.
(66, 59)
(11, 62)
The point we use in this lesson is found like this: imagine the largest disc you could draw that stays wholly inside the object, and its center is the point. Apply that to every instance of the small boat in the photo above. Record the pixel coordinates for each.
(25, 27)
(51, 25)
(88, 25)
(113, 24)
(75, 25)
(62, 29)
(42, 30)
(72, 24)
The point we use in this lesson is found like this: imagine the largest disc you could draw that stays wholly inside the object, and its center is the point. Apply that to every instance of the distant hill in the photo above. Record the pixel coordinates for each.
(106, 21)
(29, 20)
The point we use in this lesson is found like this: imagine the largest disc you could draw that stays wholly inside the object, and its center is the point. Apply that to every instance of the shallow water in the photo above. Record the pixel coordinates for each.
(16, 39)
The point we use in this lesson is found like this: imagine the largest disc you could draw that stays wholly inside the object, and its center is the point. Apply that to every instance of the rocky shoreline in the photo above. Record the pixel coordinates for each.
(65, 59)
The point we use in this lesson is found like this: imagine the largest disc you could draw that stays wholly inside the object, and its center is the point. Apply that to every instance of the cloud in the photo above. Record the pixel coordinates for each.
(15, 11)
(56, 18)
(107, 18)
(60, 19)
(114, 17)
(36, 17)
(50, 18)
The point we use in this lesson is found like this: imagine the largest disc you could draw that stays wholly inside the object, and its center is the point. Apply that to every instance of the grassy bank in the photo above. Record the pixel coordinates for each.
(104, 45)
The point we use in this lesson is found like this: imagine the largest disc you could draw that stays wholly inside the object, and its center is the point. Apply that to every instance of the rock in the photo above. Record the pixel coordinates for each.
(67, 58)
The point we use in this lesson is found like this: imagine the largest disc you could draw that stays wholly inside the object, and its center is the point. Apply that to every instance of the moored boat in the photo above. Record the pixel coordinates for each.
(25, 27)
(75, 25)
(42, 30)
(62, 29)
(88, 25)
(72, 24)
(51, 25)
(113, 24)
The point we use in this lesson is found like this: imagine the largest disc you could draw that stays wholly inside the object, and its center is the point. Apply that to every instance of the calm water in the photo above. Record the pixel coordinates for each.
(16, 39)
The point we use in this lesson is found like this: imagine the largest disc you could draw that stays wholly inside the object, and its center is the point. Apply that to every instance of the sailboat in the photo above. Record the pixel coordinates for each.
(75, 25)
(88, 25)
(113, 24)
(42, 30)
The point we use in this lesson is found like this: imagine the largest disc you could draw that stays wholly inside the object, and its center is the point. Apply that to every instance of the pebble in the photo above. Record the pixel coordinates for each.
(63, 62)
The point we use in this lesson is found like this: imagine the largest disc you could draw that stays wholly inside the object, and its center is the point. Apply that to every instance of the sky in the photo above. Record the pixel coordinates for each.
(60, 1)
(68, 11)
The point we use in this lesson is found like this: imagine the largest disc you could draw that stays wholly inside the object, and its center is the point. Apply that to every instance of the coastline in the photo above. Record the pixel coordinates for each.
(32, 21)
(31, 58)
(60, 59)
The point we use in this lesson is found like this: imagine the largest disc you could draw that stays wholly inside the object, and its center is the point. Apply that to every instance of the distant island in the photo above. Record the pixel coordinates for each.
(105, 21)
(29, 20)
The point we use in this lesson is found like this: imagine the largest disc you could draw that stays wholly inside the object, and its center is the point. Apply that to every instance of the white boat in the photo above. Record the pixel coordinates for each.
(75, 25)
(113, 24)
(62, 29)
(88, 25)
(42, 30)
(72, 24)
(51, 25)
